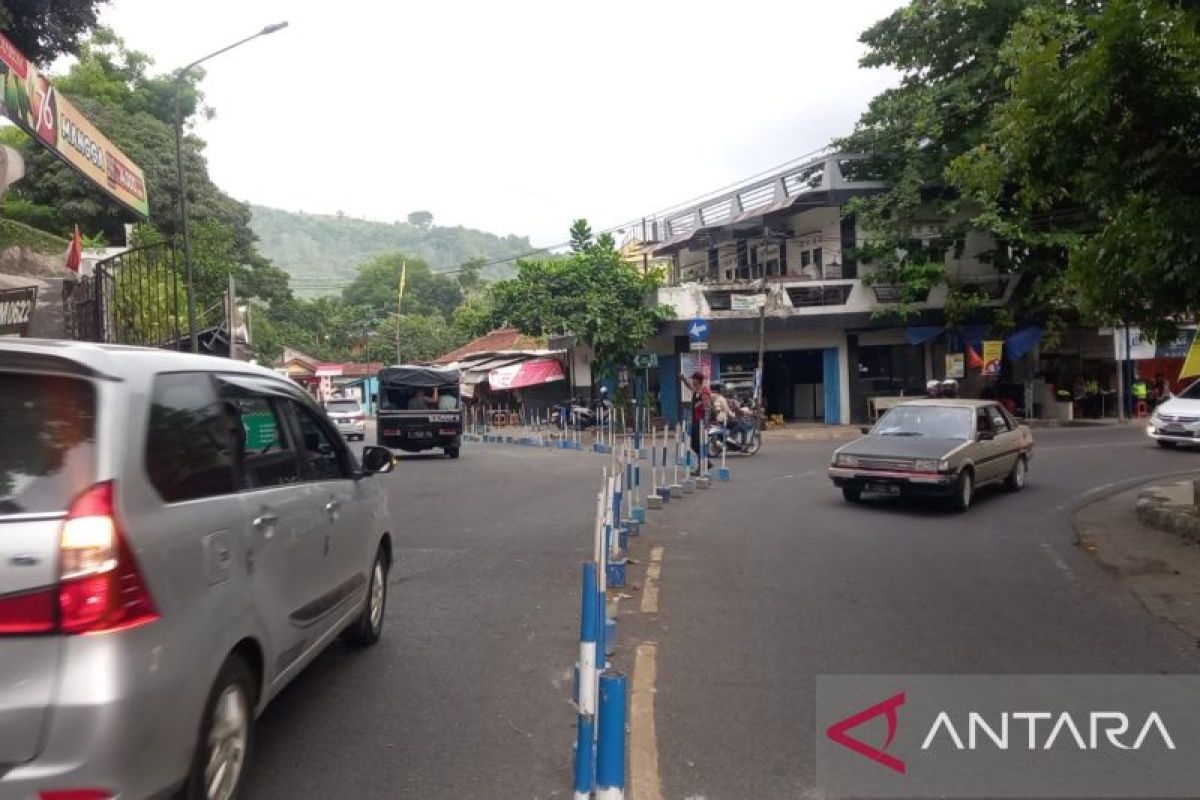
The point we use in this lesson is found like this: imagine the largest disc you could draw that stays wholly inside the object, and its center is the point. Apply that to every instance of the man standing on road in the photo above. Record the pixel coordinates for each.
(701, 406)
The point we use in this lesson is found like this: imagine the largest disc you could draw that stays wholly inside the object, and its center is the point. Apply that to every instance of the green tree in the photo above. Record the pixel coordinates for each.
(426, 292)
(592, 293)
(1095, 156)
(948, 53)
(475, 316)
(113, 87)
(44, 31)
(581, 235)
(421, 219)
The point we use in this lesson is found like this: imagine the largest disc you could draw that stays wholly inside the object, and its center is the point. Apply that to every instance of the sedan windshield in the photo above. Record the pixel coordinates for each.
(936, 422)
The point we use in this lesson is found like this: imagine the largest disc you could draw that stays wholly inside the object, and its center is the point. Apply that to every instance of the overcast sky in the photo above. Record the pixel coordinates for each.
(513, 117)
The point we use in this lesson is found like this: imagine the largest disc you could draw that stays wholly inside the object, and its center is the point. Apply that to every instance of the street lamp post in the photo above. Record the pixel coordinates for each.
(181, 182)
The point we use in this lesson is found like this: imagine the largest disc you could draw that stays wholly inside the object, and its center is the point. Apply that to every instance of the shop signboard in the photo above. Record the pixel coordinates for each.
(993, 351)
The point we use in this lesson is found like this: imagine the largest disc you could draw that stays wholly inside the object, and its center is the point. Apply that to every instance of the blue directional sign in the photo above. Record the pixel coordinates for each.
(698, 334)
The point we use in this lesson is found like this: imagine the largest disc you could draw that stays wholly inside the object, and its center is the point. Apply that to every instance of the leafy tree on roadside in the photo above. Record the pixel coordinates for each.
(1095, 156)
(592, 293)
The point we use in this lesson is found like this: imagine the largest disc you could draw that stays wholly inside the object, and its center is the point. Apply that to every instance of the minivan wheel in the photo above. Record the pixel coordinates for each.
(851, 495)
(226, 736)
(368, 628)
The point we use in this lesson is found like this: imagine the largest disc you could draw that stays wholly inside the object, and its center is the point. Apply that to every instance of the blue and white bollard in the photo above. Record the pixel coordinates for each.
(585, 765)
(639, 511)
(610, 745)
(723, 471)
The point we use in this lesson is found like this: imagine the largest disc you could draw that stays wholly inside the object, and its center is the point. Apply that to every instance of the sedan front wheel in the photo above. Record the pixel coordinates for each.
(965, 491)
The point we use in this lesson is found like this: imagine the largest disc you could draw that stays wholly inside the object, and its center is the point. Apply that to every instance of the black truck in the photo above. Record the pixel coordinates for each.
(419, 409)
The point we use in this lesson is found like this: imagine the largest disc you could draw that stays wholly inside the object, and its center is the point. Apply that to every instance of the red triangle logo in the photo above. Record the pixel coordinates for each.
(838, 732)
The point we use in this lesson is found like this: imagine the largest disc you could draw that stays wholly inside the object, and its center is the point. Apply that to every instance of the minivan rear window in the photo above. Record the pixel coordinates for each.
(47, 441)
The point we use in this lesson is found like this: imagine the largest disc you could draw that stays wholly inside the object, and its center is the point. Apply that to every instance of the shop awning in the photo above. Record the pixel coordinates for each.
(527, 373)
(477, 372)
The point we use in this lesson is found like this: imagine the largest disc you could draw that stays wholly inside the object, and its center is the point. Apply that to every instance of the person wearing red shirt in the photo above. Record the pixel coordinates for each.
(701, 405)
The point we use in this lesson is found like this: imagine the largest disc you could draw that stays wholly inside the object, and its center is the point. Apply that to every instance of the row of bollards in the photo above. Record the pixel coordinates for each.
(620, 511)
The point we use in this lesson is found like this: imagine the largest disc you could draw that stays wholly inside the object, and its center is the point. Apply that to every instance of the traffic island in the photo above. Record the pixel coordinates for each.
(1142, 537)
(1171, 507)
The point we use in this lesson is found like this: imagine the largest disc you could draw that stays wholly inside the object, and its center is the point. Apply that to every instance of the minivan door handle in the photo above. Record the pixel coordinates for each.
(331, 508)
(265, 522)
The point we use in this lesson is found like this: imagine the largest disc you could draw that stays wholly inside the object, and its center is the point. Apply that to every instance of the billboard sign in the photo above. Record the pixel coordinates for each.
(32, 103)
(992, 352)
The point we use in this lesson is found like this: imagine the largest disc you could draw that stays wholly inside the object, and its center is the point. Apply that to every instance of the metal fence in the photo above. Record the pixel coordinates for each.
(136, 297)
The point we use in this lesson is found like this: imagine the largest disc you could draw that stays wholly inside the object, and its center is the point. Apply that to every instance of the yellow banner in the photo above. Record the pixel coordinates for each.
(993, 351)
(1191, 364)
(31, 102)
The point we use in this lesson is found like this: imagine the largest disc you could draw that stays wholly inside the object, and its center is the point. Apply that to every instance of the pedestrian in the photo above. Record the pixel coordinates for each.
(701, 407)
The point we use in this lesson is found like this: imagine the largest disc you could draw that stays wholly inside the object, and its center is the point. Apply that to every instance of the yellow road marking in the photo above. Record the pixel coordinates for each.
(650, 588)
(644, 780)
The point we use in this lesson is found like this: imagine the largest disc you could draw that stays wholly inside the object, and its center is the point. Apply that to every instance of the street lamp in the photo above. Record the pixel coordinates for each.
(181, 185)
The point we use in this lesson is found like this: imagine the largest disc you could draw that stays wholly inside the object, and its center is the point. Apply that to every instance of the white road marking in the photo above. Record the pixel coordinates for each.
(787, 477)
(650, 589)
(644, 780)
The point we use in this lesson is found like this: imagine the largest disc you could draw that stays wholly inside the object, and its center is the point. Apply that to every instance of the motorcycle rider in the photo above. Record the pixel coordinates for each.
(722, 411)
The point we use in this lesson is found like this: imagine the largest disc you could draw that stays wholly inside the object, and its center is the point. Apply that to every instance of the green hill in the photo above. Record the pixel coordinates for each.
(320, 251)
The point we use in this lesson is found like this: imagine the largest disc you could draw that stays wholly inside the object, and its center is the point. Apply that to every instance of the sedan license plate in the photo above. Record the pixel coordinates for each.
(1174, 430)
(883, 488)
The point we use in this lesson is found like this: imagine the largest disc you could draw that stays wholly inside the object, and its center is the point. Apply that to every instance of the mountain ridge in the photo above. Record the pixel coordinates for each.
(321, 251)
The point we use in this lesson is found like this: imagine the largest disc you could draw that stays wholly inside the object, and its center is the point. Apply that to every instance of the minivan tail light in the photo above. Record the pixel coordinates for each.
(100, 587)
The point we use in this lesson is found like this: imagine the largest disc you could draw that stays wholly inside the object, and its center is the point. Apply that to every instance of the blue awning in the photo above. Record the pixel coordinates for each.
(923, 333)
(1022, 342)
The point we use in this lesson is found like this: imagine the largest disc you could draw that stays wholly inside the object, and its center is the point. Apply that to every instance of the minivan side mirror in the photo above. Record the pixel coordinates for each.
(865, 429)
(376, 460)
(985, 436)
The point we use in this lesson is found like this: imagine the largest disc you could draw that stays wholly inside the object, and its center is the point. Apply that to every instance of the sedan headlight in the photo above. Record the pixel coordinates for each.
(927, 465)
(846, 460)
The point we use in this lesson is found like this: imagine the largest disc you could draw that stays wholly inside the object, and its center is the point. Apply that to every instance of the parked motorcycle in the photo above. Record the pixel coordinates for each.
(719, 438)
(576, 414)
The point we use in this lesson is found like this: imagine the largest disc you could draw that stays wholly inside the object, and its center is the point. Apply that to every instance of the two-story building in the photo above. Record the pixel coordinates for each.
(786, 243)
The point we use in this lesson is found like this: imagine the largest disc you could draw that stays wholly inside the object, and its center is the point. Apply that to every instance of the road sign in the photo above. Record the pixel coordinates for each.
(645, 361)
(698, 334)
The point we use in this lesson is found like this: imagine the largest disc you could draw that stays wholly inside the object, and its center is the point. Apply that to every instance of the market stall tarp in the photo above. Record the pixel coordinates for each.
(428, 377)
(527, 373)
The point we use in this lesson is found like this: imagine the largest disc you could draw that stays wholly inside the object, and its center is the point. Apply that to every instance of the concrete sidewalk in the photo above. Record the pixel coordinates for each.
(1160, 568)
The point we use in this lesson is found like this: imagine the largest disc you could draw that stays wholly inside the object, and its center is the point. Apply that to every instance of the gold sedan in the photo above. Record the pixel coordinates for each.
(938, 447)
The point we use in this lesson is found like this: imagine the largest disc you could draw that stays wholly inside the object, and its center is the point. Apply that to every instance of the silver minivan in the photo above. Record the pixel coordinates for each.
(179, 536)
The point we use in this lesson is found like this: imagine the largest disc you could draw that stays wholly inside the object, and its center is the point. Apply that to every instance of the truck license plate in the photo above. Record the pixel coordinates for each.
(883, 488)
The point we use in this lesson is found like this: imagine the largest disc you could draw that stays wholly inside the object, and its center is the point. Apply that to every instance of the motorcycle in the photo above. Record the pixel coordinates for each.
(719, 438)
(572, 414)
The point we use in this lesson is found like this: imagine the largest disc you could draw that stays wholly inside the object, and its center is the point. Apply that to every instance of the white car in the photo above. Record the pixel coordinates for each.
(1177, 421)
(349, 418)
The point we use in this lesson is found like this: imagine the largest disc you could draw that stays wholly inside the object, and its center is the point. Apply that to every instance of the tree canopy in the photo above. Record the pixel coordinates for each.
(1065, 130)
(43, 30)
(593, 294)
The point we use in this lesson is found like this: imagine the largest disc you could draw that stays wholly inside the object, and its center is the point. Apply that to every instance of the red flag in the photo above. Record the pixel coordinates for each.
(973, 359)
(75, 251)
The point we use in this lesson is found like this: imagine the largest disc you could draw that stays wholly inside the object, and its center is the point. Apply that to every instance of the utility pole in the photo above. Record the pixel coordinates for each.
(762, 336)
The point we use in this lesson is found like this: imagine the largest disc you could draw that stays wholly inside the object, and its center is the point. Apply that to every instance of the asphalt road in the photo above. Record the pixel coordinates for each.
(766, 582)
